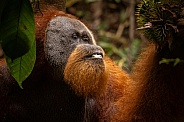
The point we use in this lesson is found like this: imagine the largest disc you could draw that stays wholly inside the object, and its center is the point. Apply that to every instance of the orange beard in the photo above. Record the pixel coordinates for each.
(85, 76)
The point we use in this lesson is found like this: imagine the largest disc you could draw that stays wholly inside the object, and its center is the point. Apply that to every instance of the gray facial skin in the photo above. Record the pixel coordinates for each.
(62, 36)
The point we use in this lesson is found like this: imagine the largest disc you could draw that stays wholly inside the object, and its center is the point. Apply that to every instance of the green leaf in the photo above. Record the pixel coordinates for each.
(17, 29)
(177, 61)
(174, 61)
(21, 67)
(165, 61)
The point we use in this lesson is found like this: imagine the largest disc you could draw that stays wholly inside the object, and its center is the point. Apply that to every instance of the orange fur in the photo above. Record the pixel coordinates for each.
(87, 77)
(160, 87)
(104, 81)
(2, 61)
(46, 99)
(43, 98)
(157, 89)
(118, 86)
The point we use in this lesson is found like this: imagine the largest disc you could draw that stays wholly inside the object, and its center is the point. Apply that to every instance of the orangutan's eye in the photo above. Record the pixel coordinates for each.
(75, 35)
(85, 38)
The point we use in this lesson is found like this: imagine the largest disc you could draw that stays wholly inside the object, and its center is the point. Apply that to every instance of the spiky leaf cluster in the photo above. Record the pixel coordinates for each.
(160, 19)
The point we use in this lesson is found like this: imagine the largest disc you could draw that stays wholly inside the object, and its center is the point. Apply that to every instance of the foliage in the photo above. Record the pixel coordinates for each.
(17, 35)
(174, 61)
(21, 67)
(159, 19)
(17, 28)
(122, 54)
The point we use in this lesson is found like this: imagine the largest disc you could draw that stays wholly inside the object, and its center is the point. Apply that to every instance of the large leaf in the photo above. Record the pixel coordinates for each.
(17, 29)
(21, 67)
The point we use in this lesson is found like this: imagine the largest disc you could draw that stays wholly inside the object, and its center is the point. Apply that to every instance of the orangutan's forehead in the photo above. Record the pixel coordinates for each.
(66, 24)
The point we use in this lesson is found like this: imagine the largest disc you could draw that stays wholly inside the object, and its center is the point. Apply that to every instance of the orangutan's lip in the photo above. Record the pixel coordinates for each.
(96, 55)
